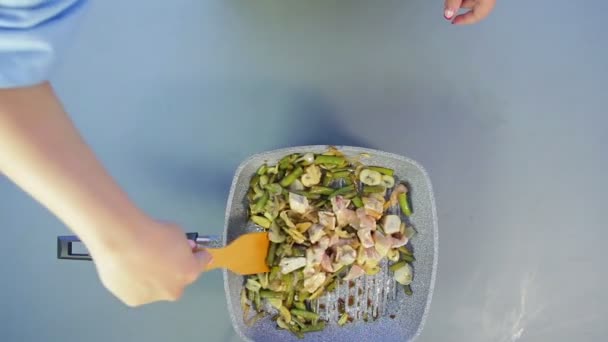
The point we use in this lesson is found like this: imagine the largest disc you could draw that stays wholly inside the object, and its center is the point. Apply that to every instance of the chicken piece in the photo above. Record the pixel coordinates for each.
(398, 240)
(345, 255)
(289, 265)
(313, 283)
(315, 233)
(391, 224)
(323, 243)
(355, 272)
(365, 236)
(347, 217)
(334, 240)
(374, 206)
(365, 221)
(326, 263)
(382, 243)
(338, 203)
(313, 257)
(298, 203)
(327, 219)
(371, 256)
(394, 199)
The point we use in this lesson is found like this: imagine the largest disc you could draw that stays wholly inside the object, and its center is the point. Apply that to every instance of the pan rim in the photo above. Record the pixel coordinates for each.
(345, 148)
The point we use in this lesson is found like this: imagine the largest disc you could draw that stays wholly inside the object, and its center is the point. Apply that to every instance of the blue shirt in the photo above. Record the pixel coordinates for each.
(32, 33)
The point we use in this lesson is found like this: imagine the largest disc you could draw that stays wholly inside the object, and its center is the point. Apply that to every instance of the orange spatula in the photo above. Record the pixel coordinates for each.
(245, 255)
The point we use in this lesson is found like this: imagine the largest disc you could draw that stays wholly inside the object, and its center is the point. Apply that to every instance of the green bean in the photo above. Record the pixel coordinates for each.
(408, 290)
(291, 177)
(251, 295)
(271, 253)
(330, 160)
(256, 318)
(307, 194)
(257, 301)
(285, 161)
(275, 272)
(343, 190)
(373, 189)
(261, 203)
(350, 195)
(405, 251)
(289, 301)
(274, 188)
(270, 294)
(262, 170)
(303, 296)
(382, 170)
(261, 221)
(327, 179)
(300, 305)
(333, 285)
(396, 266)
(408, 258)
(403, 203)
(288, 280)
(357, 202)
(340, 174)
(320, 204)
(298, 322)
(305, 314)
(317, 327)
(343, 319)
(254, 181)
(321, 190)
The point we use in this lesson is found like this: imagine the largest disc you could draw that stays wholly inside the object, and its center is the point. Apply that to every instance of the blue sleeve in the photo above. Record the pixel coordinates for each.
(32, 32)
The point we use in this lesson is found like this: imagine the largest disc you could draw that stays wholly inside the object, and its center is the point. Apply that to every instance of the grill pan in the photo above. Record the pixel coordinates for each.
(380, 309)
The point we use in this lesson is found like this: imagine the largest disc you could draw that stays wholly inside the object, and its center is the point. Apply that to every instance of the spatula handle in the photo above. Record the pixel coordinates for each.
(66, 245)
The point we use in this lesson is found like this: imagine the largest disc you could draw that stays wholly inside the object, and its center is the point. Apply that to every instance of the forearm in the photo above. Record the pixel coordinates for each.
(42, 152)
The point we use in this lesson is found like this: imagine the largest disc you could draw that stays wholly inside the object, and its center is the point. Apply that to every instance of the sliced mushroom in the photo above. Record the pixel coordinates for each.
(370, 177)
(312, 176)
(388, 181)
(404, 275)
(393, 255)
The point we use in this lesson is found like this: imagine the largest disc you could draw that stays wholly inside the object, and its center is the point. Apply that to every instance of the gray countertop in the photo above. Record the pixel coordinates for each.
(507, 116)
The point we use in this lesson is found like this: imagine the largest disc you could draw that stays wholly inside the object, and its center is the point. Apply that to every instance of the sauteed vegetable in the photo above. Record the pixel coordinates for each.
(330, 219)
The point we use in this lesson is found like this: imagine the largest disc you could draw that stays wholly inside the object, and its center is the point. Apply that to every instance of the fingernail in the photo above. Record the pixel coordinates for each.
(192, 243)
(448, 13)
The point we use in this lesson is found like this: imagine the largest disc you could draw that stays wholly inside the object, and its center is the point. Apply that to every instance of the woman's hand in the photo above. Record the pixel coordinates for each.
(478, 10)
(156, 264)
(138, 259)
